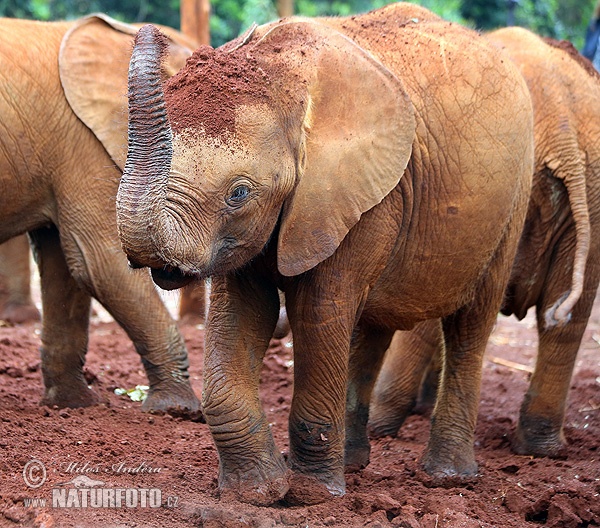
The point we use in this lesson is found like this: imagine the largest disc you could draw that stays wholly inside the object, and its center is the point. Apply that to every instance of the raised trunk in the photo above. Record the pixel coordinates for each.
(143, 187)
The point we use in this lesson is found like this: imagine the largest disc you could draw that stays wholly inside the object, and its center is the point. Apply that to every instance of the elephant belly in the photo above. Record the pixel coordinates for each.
(426, 296)
(435, 275)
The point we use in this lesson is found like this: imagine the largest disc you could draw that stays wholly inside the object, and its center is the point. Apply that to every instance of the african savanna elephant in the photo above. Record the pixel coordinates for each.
(16, 304)
(557, 267)
(377, 170)
(62, 143)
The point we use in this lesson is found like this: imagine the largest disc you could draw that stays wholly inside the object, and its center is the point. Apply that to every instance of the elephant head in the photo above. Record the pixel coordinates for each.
(272, 135)
(93, 62)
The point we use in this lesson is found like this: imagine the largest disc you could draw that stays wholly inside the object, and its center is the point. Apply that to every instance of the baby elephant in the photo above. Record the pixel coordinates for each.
(347, 163)
(557, 267)
(62, 147)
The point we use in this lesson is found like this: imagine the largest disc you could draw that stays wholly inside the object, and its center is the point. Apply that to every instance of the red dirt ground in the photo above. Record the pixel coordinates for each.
(179, 458)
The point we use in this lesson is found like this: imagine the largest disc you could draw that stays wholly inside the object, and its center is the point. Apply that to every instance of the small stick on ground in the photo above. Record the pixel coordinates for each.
(511, 364)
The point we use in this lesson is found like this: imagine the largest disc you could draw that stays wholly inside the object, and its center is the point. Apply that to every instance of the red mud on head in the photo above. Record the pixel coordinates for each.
(213, 83)
(149, 36)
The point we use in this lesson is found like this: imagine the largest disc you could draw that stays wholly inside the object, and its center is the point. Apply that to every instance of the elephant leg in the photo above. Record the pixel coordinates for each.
(367, 349)
(431, 380)
(192, 303)
(407, 367)
(241, 319)
(449, 452)
(322, 331)
(66, 309)
(155, 336)
(99, 266)
(16, 305)
(540, 428)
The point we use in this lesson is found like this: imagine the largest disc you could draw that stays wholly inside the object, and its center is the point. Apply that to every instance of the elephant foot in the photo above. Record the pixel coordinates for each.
(537, 436)
(70, 394)
(386, 421)
(261, 486)
(20, 313)
(264, 494)
(357, 457)
(449, 465)
(306, 490)
(175, 398)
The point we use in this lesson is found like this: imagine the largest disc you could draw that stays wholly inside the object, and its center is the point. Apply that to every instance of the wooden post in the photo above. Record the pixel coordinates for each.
(195, 15)
(285, 8)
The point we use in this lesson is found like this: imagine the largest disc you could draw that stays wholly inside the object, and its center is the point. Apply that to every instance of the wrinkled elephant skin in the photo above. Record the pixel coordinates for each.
(376, 169)
(62, 147)
(557, 267)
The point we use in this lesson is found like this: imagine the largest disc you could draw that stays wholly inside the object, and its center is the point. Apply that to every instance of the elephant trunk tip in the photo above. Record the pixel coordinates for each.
(152, 40)
(146, 71)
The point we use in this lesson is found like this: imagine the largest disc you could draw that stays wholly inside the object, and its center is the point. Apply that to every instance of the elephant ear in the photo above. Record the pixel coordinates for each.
(358, 135)
(93, 64)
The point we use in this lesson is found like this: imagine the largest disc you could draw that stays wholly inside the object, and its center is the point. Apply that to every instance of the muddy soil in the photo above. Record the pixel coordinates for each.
(116, 446)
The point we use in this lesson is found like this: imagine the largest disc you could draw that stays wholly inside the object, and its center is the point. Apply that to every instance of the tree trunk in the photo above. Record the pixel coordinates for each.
(285, 8)
(195, 16)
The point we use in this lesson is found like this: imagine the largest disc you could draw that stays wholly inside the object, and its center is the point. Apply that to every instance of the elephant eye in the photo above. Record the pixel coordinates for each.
(238, 195)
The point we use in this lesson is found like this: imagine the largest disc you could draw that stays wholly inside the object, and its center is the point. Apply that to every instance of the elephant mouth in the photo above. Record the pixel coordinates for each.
(170, 278)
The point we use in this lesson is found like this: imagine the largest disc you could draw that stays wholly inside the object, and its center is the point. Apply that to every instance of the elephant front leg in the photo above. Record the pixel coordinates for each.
(241, 319)
(322, 331)
(16, 305)
(366, 355)
(98, 264)
(66, 310)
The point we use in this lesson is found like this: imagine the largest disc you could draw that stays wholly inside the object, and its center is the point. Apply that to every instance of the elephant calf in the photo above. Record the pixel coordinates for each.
(557, 267)
(377, 170)
(62, 147)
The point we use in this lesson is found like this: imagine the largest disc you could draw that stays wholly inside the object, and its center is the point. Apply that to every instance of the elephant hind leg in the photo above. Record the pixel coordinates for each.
(66, 309)
(450, 453)
(407, 368)
(540, 428)
(450, 450)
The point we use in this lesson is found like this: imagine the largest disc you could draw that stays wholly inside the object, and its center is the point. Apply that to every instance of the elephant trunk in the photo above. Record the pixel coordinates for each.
(143, 188)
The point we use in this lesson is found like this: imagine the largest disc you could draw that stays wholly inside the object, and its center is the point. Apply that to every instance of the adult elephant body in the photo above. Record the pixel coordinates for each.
(62, 142)
(377, 170)
(557, 267)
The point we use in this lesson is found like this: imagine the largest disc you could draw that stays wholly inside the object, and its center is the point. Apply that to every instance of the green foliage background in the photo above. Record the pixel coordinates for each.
(562, 19)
